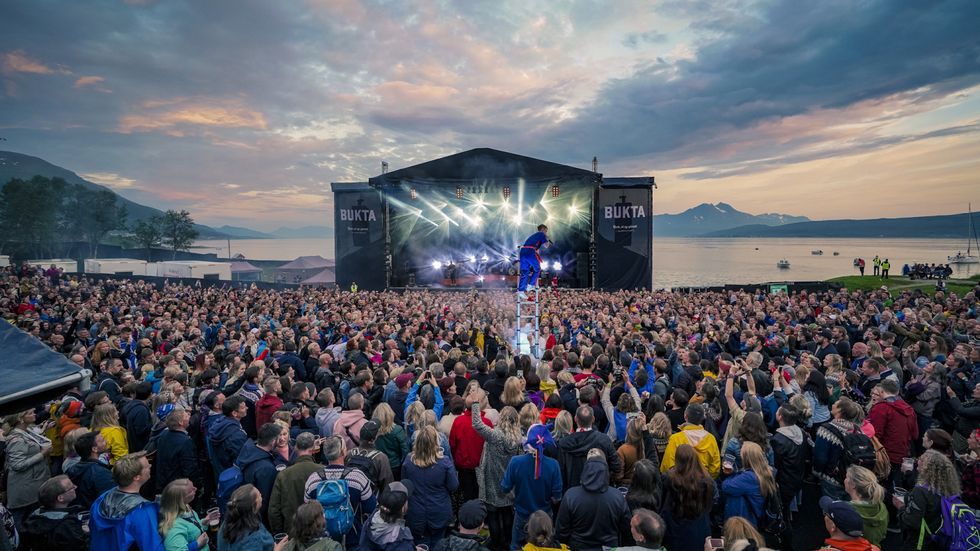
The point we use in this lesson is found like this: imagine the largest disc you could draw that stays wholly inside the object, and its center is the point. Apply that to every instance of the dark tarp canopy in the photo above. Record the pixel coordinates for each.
(30, 372)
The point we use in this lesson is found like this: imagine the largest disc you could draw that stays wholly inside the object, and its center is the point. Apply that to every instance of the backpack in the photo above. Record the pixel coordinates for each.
(228, 481)
(858, 450)
(364, 461)
(958, 531)
(773, 523)
(334, 496)
(883, 465)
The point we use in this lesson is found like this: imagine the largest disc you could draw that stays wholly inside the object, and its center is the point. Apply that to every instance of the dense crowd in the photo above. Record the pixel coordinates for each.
(237, 418)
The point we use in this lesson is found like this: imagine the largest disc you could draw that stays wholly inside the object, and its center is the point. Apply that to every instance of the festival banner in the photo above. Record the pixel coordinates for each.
(359, 239)
(624, 238)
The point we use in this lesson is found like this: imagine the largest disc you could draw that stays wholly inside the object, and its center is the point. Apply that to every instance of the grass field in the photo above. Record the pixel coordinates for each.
(898, 284)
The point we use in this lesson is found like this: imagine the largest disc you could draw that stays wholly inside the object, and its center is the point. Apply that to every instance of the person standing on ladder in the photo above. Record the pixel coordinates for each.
(531, 260)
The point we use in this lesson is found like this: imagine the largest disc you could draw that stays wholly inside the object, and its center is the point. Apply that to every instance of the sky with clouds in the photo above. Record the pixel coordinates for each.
(243, 111)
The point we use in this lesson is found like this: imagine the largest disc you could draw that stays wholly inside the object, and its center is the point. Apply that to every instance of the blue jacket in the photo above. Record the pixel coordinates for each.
(652, 376)
(122, 521)
(743, 497)
(294, 361)
(431, 502)
(92, 478)
(260, 468)
(259, 540)
(413, 395)
(532, 494)
(225, 441)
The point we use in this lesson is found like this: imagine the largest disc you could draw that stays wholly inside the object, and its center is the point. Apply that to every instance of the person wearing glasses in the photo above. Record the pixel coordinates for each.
(56, 524)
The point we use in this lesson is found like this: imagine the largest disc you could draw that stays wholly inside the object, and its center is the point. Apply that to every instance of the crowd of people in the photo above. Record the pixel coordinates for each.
(235, 418)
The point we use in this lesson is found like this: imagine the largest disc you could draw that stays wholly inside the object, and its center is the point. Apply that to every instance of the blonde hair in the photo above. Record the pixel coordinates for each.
(173, 504)
(803, 406)
(414, 413)
(755, 460)
(426, 450)
(565, 378)
(528, 416)
(512, 395)
(938, 474)
(738, 529)
(72, 437)
(802, 372)
(660, 426)
(385, 417)
(563, 424)
(866, 484)
(509, 425)
(105, 416)
(836, 364)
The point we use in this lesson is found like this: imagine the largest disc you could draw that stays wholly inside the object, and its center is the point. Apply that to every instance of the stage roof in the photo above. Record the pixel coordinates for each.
(307, 263)
(483, 164)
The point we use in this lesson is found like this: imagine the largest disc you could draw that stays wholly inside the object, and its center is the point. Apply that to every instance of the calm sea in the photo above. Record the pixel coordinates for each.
(684, 262)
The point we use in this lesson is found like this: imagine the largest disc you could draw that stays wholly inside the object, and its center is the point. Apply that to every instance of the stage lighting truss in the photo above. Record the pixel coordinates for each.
(506, 193)
(459, 192)
(413, 194)
(555, 191)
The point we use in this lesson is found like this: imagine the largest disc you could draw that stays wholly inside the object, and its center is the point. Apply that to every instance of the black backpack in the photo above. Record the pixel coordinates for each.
(364, 461)
(858, 450)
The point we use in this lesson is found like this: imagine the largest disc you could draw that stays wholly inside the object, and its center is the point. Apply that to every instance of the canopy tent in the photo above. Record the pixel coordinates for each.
(32, 373)
(327, 277)
(302, 268)
(242, 270)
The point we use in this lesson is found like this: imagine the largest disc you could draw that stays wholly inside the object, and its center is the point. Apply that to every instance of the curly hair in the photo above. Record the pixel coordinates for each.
(938, 474)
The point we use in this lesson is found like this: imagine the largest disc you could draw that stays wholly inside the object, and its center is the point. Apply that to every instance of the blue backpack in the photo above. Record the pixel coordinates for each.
(334, 496)
(958, 531)
(229, 480)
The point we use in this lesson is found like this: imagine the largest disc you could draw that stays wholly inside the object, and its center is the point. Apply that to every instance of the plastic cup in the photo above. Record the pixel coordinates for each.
(900, 493)
(908, 464)
(623, 490)
(422, 547)
(214, 517)
(279, 537)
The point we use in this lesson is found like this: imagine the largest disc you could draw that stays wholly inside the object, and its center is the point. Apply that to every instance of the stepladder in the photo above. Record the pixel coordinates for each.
(528, 321)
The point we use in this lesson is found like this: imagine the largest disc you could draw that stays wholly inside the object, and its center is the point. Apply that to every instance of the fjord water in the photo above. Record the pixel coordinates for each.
(698, 262)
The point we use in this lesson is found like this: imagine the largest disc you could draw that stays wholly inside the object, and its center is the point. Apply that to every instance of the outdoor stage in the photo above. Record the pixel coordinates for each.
(461, 220)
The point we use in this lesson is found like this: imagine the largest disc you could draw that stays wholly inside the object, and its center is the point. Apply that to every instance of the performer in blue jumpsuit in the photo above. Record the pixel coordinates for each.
(531, 261)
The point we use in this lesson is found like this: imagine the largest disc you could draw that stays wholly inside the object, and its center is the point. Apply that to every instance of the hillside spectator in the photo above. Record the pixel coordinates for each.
(176, 456)
(27, 462)
(692, 433)
(385, 529)
(260, 464)
(392, 439)
(593, 515)
(90, 475)
(121, 517)
(573, 449)
(434, 480)
(288, 489)
(362, 496)
(226, 437)
(689, 494)
(180, 526)
(56, 524)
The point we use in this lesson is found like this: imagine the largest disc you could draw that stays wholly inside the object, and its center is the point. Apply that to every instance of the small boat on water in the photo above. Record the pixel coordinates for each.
(783, 264)
(969, 257)
(817, 252)
(836, 253)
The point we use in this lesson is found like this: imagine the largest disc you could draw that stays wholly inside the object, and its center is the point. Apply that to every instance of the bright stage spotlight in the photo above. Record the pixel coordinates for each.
(471, 258)
(475, 221)
(517, 218)
(556, 266)
(436, 264)
(484, 258)
(544, 265)
(572, 209)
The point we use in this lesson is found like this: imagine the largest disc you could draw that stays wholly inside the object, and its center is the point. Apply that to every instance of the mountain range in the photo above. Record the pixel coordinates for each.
(25, 167)
(706, 218)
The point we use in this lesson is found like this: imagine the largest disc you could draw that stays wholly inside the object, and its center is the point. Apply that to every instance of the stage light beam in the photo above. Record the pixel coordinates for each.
(557, 266)
(436, 264)
(544, 265)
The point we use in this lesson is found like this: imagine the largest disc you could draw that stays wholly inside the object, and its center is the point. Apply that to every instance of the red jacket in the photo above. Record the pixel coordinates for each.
(895, 426)
(265, 407)
(465, 443)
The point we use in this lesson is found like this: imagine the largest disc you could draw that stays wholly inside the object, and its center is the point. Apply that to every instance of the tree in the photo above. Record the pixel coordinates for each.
(92, 214)
(178, 230)
(149, 234)
(30, 214)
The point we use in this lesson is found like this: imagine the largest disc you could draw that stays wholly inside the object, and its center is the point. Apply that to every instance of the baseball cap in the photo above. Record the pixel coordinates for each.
(845, 517)
(369, 431)
(827, 334)
(472, 514)
(403, 379)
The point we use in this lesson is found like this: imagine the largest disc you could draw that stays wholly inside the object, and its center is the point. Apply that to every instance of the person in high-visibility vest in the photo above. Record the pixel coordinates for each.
(877, 264)
(353, 287)
(884, 268)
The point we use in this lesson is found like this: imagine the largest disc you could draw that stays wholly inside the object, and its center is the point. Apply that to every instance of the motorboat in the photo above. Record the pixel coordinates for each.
(971, 238)
(783, 264)
(836, 253)
(817, 252)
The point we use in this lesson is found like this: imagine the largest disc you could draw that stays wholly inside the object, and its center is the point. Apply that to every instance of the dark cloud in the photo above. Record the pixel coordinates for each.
(787, 60)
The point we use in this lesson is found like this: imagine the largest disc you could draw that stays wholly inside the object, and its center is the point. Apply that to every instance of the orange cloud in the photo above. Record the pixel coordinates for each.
(18, 62)
(172, 116)
(88, 81)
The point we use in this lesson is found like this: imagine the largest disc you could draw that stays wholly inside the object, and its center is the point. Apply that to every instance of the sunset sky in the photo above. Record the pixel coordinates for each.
(243, 111)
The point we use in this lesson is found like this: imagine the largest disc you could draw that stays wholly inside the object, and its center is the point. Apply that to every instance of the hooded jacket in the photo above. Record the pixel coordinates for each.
(378, 535)
(92, 478)
(743, 497)
(176, 458)
(859, 544)
(573, 450)
(225, 440)
(592, 515)
(702, 441)
(326, 418)
(124, 521)
(895, 426)
(348, 426)
(55, 529)
(136, 418)
(875, 516)
(790, 451)
(461, 542)
(260, 468)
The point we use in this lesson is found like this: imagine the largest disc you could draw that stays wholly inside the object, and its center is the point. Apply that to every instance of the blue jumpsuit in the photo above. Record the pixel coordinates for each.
(530, 261)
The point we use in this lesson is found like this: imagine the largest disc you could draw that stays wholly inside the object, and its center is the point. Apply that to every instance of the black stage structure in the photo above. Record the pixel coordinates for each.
(459, 221)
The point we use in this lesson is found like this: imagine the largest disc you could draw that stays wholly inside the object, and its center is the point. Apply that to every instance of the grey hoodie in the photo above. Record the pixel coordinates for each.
(325, 420)
(383, 533)
(793, 432)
